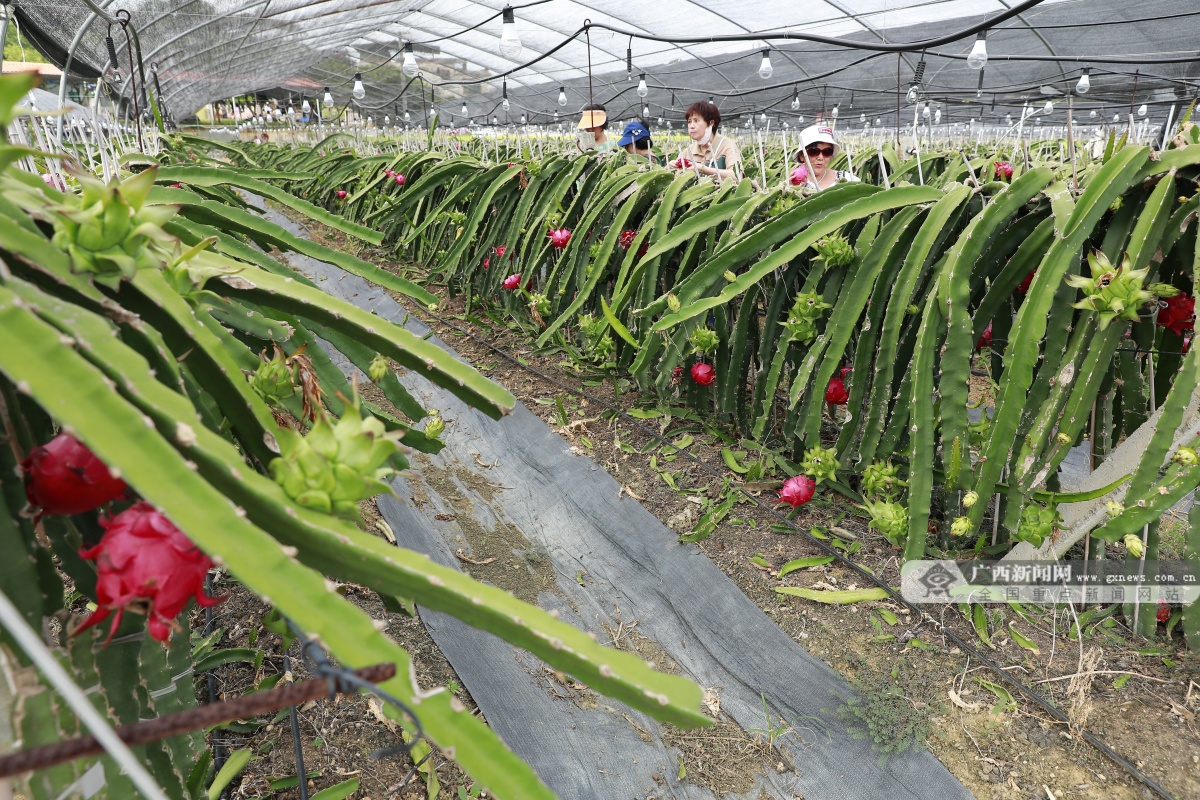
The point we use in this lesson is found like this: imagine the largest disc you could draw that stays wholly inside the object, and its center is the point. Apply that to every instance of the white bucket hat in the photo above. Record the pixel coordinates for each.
(817, 133)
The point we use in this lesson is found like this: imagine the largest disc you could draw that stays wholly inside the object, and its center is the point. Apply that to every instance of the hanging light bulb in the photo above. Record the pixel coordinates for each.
(359, 91)
(937, 117)
(370, 122)
(912, 95)
(1116, 117)
(495, 121)
(800, 119)
(510, 42)
(660, 120)
(1049, 107)
(409, 65)
(833, 112)
(795, 99)
(765, 70)
(1092, 114)
(387, 121)
(1008, 119)
(642, 89)
(645, 111)
(562, 95)
(977, 59)
(925, 111)
(1142, 110)
(506, 105)
(328, 99)
(464, 109)
(763, 118)
(862, 117)
(522, 119)
(878, 122)
(1085, 82)
(305, 107)
(407, 116)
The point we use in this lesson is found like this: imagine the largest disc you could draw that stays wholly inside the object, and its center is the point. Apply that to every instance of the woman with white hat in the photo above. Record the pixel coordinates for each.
(817, 149)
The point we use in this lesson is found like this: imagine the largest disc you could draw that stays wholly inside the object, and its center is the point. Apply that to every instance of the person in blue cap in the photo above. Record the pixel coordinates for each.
(636, 140)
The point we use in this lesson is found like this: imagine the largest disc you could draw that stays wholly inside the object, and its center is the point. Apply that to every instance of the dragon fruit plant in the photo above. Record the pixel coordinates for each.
(126, 335)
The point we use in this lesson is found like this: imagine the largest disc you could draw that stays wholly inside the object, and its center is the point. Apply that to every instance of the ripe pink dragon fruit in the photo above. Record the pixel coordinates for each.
(1023, 288)
(799, 176)
(400, 179)
(1004, 170)
(147, 565)
(499, 250)
(560, 237)
(1179, 314)
(835, 392)
(681, 163)
(54, 181)
(389, 173)
(341, 194)
(626, 239)
(703, 374)
(65, 477)
(797, 491)
(985, 339)
(512, 282)
(1163, 613)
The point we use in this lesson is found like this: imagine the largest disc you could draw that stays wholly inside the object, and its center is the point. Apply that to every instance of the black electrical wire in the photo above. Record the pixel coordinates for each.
(963, 644)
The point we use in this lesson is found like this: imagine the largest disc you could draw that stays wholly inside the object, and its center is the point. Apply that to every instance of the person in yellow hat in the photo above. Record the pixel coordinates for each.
(590, 133)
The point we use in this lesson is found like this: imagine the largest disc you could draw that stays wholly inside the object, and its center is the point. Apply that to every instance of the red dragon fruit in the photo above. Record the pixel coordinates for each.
(799, 176)
(835, 392)
(560, 237)
(399, 179)
(797, 491)
(341, 194)
(64, 477)
(703, 374)
(146, 565)
(1004, 170)
(512, 282)
(626, 239)
(985, 339)
(1179, 313)
(1023, 288)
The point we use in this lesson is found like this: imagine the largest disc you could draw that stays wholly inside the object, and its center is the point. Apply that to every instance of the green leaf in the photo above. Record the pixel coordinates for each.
(804, 563)
(835, 596)
(338, 792)
(238, 760)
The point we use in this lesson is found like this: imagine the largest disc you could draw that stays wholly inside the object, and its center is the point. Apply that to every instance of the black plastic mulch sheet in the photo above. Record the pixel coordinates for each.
(516, 491)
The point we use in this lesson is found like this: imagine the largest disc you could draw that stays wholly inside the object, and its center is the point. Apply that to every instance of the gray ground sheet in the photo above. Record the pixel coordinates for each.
(610, 567)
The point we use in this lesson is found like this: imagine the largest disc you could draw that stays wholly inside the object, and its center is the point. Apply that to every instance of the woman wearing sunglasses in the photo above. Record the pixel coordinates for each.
(817, 149)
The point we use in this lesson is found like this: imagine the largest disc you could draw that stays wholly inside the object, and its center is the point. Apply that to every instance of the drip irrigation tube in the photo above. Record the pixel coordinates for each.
(964, 645)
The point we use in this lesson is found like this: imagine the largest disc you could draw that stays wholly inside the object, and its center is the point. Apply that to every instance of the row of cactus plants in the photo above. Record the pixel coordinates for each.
(1051, 272)
(163, 389)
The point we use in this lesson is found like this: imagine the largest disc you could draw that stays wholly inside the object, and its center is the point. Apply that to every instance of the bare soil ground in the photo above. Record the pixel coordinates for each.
(1141, 698)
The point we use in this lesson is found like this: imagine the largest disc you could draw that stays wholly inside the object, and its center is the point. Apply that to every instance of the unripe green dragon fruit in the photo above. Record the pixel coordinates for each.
(820, 464)
(377, 370)
(335, 465)
(705, 341)
(111, 233)
(275, 378)
(434, 425)
(882, 479)
(836, 251)
(889, 518)
(802, 319)
(1038, 523)
(1112, 292)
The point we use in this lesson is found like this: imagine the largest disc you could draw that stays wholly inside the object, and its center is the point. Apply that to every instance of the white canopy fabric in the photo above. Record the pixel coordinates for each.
(209, 50)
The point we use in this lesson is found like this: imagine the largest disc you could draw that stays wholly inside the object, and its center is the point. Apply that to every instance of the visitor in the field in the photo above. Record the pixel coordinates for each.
(589, 134)
(710, 153)
(636, 140)
(817, 150)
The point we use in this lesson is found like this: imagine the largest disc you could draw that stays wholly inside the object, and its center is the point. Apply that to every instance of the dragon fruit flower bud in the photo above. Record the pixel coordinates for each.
(1186, 456)
(960, 527)
(672, 303)
(970, 499)
(1133, 544)
(378, 369)
(435, 426)
(1114, 509)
